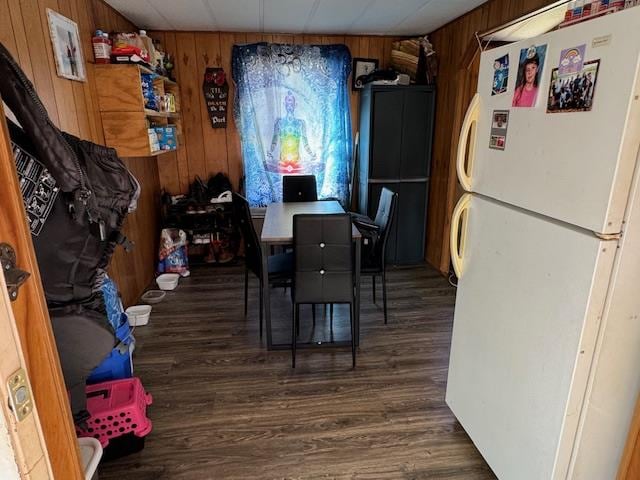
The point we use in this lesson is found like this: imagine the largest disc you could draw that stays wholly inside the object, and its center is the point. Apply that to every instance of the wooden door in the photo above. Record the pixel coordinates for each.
(630, 465)
(34, 327)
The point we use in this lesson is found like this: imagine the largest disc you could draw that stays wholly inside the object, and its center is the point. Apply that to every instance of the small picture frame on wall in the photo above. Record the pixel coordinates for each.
(362, 67)
(67, 49)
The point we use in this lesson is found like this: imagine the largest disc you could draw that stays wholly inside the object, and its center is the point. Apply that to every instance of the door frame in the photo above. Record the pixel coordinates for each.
(26, 435)
(630, 463)
(33, 327)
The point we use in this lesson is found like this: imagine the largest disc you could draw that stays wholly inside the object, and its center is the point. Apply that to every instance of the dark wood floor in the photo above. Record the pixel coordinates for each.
(225, 408)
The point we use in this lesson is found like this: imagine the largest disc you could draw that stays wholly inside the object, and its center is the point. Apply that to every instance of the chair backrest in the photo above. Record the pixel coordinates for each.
(323, 258)
(299, 188)
(355, 166)
(384, 218)
(252, 252)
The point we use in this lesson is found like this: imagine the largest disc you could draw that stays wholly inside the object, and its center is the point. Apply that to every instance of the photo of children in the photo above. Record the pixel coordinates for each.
(499, 127)
(529, 75)
(500, 75)
(573, 92)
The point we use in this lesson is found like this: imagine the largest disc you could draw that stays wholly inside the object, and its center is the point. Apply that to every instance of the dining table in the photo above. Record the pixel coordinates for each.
(277, 229)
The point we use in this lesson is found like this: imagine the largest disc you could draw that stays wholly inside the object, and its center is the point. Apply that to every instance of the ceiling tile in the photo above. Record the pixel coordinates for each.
(286, 16)
(141, 13)
(187, 14)
(398, 17)
(433, 15)
(383, 15)
(336, 16)
(237, 15)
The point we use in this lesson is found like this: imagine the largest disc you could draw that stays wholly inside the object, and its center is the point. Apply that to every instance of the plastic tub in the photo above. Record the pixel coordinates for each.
(91, 453)
(153, 296)
(138, 315)
(168, 281)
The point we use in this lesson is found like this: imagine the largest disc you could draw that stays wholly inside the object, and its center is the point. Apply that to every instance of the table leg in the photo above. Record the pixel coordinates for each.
(265, 293)
(357, 305)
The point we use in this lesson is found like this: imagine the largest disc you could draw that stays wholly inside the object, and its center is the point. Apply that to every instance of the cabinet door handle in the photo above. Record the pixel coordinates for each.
(468, 136)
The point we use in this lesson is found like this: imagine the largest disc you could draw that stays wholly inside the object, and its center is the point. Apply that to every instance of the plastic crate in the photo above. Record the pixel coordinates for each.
(119, 363)
(117, 408)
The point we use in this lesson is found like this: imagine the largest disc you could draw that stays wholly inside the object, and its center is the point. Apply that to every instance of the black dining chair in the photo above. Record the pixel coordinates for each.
(299, 188)
(374, 258)
(323, 267)
(280, 266)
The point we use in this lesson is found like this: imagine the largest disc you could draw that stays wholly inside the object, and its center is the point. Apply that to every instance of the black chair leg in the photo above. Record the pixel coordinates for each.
(353, 336)
(246, 289)
(261, 308)
(313, 313)
(373, 282)
(331, 313)
(296, 313)
(384, 295)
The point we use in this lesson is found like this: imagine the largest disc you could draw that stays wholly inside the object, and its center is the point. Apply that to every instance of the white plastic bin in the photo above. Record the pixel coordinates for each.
(138, 315)
(90, 453)
(168, 281)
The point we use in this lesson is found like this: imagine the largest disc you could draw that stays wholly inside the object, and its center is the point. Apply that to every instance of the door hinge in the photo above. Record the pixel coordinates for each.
(20, 398)
(12, 274)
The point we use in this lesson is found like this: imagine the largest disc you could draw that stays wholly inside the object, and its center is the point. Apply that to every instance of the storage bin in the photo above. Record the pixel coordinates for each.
(118, 408)
(119, 363)
(90, 453)
(168, 281)
(138, 315)
(153, 296)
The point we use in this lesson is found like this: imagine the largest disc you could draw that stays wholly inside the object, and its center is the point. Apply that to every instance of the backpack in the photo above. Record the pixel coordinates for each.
(88, 191)
(76, 195)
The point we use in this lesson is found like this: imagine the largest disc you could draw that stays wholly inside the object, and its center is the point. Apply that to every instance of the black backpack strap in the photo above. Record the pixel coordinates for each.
(121, 239)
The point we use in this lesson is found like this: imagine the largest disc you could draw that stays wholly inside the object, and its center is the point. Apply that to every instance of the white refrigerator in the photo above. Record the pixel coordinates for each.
(544, 369)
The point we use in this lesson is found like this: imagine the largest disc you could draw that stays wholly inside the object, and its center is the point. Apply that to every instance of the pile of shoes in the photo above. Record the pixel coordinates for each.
(205, 214)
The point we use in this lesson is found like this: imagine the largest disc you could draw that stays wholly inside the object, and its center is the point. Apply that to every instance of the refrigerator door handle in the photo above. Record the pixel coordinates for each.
(468, 130)
(458, 236)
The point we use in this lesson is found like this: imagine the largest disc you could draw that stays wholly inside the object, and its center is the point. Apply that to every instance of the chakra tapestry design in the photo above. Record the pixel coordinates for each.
(292, 112)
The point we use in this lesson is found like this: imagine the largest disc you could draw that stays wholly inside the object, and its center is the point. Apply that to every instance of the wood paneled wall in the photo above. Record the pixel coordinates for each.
(73, 107)
(457, 81)
(210, 150)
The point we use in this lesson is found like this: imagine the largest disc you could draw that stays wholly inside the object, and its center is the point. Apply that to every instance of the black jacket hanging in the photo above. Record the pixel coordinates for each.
(95, 193)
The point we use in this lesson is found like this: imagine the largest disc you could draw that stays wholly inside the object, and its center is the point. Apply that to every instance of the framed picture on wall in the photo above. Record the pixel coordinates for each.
(361, 67)
(67, 48)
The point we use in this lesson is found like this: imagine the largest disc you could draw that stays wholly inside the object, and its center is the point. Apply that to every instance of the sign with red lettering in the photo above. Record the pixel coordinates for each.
(216, 96)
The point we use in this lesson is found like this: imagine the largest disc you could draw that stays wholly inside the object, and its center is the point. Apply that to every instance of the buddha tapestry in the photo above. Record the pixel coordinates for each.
(292, 113)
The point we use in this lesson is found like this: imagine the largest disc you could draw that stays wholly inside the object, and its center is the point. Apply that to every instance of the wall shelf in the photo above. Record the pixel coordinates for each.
(125, 119)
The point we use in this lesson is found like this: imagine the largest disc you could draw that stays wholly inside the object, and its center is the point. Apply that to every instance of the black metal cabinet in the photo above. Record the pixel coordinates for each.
(396, 136)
